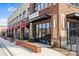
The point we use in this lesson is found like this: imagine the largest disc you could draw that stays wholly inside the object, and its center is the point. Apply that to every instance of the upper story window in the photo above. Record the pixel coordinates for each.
(75, 4)
(17, 18)
(46, 4)
(40, 6)
(24, 14)
(28, 12)
(20, 17)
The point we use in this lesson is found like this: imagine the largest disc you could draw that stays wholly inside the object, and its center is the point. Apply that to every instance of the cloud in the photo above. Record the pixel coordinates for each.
(3, 22)
(12, 9)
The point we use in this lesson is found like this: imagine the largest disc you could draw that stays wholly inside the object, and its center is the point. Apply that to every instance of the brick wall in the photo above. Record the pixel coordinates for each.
(57, 9)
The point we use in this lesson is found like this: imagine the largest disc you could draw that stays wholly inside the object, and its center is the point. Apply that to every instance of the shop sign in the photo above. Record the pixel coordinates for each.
(34, 15)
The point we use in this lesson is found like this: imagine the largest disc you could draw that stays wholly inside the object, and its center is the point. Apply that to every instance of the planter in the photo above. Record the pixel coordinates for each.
(28, 45)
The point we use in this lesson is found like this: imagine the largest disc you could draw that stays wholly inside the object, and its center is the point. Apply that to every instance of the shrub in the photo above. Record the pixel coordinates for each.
(30, 40)
(19, 38)
(36, 39)
(54, 45)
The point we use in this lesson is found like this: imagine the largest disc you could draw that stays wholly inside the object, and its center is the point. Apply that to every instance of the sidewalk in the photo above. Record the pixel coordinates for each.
(21, 51)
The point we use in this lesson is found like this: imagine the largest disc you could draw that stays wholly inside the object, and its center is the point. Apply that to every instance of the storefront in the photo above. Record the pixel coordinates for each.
(42, 29)
(24, 30)
(17, 31)
(10, 31)
(43, 32)
(72, 24)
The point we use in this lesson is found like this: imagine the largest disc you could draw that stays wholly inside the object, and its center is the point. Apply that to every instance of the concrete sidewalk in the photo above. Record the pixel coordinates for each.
(21, 51)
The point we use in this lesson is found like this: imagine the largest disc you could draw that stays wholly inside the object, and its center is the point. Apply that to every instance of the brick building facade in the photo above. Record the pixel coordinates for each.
(59, 23)
(49, 22)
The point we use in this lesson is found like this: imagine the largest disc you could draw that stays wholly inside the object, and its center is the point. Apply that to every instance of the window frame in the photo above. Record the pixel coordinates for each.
(43, 29)
(24, 13)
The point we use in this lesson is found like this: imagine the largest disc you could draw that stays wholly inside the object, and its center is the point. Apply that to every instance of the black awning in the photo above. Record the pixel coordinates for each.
(73, 15)
(40, 17)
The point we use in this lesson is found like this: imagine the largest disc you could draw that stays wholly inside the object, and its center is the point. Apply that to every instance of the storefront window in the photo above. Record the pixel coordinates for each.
(47, 31)
(42, 29)
(43, 26)
(37, 31)
(17, 33)
(40, 26)
(47, 25)
(68, 25)
(43, 32)
(71, 34)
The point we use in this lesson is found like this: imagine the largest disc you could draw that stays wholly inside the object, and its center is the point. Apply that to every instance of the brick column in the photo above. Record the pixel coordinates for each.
(54, 30)
(62, 29)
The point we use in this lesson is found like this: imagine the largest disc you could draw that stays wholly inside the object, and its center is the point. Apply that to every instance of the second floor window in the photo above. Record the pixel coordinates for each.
(24, 14)
(17, 18)
(20, 17)
(75, 4)
(28, 12)
(40, 6)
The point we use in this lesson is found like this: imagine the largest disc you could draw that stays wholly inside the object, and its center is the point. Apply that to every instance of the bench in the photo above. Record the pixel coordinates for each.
(30, 46)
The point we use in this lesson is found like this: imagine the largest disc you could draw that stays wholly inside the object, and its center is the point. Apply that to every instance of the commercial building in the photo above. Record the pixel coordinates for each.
(18, 22)
(49, 23)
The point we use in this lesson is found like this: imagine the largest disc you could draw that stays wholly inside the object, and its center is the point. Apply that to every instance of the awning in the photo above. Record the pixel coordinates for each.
(10, 27)
(16, 26)
(73, 15)
(40, 17)
(24, 24)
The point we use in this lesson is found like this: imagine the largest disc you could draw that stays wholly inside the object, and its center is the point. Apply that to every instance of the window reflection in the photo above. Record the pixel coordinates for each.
(24, 14)
(43, 25)
(40, 6)
(42, 30)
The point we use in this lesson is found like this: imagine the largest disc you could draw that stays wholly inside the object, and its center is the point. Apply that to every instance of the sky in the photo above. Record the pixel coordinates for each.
(6, 9)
